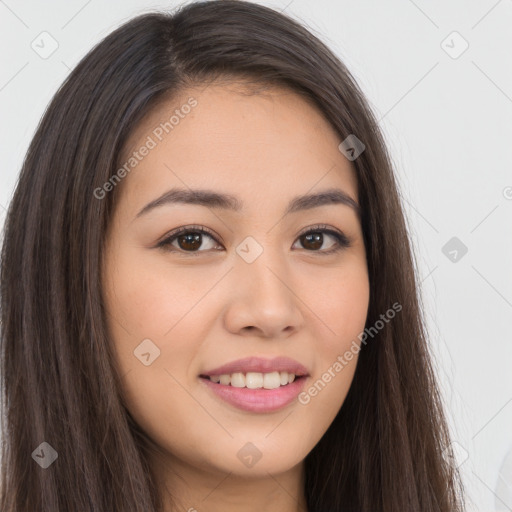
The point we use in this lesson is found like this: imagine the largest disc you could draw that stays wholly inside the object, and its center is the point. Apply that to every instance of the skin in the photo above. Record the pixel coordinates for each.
(209, 307)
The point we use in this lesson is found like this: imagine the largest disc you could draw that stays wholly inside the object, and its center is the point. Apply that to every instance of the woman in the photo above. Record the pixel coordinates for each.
(208, 293)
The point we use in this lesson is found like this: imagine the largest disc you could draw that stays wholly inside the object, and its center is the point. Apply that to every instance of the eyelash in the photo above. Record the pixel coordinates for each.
(342, 241)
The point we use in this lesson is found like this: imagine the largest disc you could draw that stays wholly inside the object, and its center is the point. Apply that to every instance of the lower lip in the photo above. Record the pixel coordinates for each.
(257, 400)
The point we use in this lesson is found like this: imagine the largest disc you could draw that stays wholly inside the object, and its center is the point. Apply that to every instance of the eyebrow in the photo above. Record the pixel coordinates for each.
(212, 199)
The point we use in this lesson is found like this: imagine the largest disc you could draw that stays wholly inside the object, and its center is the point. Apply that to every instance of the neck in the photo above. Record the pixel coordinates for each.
(185, 487)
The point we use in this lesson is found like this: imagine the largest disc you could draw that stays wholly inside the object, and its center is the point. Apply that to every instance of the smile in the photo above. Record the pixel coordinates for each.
(256, 384)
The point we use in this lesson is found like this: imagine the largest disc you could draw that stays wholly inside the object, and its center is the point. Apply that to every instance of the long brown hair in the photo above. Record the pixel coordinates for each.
(387, 449)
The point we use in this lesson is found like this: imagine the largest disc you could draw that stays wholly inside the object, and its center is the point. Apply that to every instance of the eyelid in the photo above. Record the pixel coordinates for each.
(326, 229)
(186, 229)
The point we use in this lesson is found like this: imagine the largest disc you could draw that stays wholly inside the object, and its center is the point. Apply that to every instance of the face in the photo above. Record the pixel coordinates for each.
(257, 289)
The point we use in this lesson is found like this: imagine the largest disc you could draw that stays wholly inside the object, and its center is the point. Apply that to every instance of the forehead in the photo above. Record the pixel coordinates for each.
(255, 145)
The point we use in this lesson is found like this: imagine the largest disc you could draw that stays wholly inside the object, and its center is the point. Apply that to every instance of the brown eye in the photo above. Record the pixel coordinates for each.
(314, 239)
(189, 239)
(189, 242)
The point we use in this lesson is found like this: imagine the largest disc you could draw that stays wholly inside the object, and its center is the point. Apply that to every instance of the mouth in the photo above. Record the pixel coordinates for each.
(256, 384)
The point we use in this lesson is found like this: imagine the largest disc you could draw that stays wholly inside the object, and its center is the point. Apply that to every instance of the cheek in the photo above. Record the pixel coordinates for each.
(343, 309)
(341, 306)
(149, 299)
(142, 306)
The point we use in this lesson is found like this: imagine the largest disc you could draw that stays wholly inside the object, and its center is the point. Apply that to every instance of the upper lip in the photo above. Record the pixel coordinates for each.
(259, 365)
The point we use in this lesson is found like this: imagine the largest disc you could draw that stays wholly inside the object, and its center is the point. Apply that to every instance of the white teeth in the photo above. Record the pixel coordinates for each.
(271, 380)
(238, 380)
(255, 380)
(225, 379)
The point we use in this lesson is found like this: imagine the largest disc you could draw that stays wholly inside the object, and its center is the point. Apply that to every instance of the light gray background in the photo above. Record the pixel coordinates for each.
(448, 123)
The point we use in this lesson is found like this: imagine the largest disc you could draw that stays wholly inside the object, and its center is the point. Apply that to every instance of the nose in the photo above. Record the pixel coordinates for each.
(262, 300)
